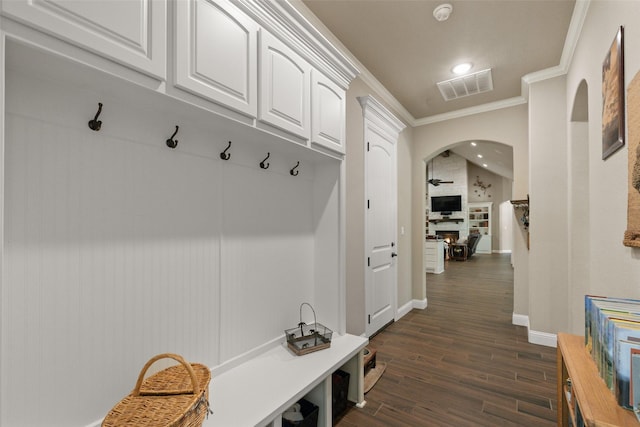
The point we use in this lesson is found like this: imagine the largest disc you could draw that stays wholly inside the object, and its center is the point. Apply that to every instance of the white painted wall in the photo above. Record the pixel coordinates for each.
(611, 269)
(499, 192)
(548, 273)
(505, 223)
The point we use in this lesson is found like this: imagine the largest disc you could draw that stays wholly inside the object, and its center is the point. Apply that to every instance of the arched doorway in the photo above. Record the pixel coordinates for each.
(508, 126)
(479, 172)
(579, 216)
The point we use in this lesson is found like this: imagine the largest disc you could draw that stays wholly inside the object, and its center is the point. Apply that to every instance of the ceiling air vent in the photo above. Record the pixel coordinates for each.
(471, 84)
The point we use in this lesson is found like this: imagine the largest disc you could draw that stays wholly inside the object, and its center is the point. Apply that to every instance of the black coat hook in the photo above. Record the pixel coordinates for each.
(96, 124)
(224, 155)
(173, 143)
(264, 165)
(293, 170)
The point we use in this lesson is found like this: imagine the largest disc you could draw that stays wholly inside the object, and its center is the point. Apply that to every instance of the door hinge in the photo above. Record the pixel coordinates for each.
(368, 203)
(368, 261)
(393, 244)
(369, 319)
(368, 146)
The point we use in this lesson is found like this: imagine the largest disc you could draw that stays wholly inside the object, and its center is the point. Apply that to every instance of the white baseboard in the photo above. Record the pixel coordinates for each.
(96, 423)
(534, 337)
(543, 338)
(420, 304)
(406, 308)
(502, 251)
(520, 320)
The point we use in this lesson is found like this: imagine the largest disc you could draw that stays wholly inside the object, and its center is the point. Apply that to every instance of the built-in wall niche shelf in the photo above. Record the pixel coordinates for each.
(438, 220)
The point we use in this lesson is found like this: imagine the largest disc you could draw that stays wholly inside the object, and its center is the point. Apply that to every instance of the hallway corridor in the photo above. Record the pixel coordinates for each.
(460, 362)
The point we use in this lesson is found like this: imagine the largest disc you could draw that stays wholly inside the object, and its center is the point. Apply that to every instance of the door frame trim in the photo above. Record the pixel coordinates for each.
(380, 120)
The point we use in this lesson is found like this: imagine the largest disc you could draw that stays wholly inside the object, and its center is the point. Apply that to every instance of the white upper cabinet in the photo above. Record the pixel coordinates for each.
(216, 53)
(328, 114)
(285, 87)
(130, 32)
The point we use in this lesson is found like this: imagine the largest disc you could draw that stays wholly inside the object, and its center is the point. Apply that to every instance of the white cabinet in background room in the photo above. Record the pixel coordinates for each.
(480, 222)
(328, 113)
(285, 87)
(434, 256)
(130, 32)
(216, 54)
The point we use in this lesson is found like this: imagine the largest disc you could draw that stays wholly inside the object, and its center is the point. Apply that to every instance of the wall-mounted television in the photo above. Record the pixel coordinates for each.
(446, 204)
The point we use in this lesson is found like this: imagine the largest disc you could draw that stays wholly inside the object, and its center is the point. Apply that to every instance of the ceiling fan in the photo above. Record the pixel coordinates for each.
(435, 181)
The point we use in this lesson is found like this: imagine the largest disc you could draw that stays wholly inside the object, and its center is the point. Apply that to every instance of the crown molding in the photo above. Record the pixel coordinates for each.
(366, 76)
(491, 106)
(285, 22)
(382, 92)
(372, 109)
(571, 41)
(573, 34)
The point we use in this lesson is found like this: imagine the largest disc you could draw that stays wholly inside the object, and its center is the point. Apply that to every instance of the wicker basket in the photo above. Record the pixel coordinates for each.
(174, 397)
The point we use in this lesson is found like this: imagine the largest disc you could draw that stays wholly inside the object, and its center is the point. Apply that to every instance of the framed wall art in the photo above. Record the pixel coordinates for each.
(613, 97)
(632, 234)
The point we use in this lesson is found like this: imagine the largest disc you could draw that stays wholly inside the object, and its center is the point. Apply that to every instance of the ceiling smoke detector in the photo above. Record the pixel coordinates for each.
(442, 12)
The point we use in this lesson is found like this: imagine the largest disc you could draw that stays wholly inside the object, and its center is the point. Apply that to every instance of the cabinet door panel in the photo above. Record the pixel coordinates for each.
(328, 114)
(132, 32)
(217, 53)
(285, 85)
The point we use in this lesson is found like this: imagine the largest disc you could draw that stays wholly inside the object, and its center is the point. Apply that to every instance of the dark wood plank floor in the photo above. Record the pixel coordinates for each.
(460, 362)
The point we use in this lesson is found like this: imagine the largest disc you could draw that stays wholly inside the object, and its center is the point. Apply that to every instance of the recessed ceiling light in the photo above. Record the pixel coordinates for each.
(461, 68)
(479, 156)
(473, 144)
(485, 165)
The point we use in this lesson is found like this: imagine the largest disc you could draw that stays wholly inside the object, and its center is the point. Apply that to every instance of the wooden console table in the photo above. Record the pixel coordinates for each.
(587, 394)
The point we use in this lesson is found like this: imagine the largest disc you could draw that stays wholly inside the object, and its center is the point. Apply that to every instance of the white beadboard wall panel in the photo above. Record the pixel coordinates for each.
(267, 256)
(117, 247)
(328, 297)
(112, 256)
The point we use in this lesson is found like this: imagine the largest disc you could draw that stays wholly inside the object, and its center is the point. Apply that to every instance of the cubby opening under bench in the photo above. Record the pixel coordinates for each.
(258, 391)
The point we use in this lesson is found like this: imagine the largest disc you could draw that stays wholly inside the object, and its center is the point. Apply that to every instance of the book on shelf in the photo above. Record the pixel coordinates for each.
(612, 336)
(635, 383)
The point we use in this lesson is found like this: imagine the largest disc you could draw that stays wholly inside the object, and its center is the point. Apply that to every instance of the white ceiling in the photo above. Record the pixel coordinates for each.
(408, 51)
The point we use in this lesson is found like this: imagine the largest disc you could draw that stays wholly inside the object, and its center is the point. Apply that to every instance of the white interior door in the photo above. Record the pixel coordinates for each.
(380, 189)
